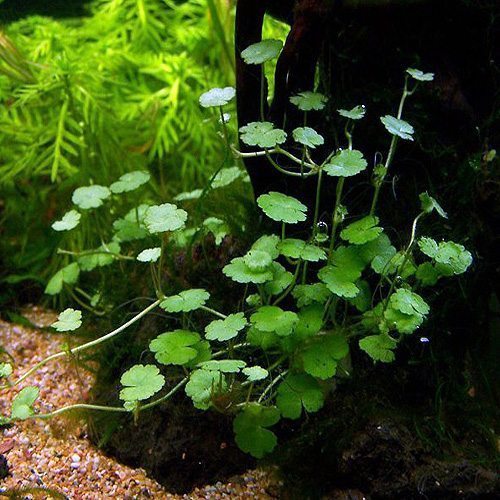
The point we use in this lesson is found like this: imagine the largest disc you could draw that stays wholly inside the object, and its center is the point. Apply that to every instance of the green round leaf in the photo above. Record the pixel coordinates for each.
(226, 329)
(420, 75)
(130, 181)
(149, 255)
(175, 348)
(299, 249)
(238, 271)
(22, 405)
(104, 256)
(398, 127)
(217, 97)
(346, 163)
(282, 279)
(282, 208)
(68, 320)
(255, 373)
(69, 221)
(298, 391)
(226, 176)
(90, 196)
(166, 217)
(362, 231)
(186, 301)
(355, 113)
(68, 275)
(250, 430)
(269, 244)
(141, 382)
(379, 347)
(262, 51)
(262, 134)
(320, 358)
(274, 319)
(131, 227)
(309, 294)
(257, 260)
(202, 385)
(408, 302)
(309, 101)
(308, 137)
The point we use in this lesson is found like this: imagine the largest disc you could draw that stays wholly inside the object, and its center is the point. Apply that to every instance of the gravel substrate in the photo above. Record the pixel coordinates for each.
(56, 454)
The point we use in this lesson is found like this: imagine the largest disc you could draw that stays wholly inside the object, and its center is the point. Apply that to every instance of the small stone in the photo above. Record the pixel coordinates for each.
(75, 457)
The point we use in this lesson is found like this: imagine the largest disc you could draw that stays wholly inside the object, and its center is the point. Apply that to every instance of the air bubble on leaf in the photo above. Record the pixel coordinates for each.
(322, 227)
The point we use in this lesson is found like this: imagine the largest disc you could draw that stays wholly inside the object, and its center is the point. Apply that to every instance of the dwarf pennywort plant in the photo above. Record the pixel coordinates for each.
(307, 302)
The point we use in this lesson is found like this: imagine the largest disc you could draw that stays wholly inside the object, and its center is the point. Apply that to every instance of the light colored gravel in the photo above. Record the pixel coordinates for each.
(56, 454)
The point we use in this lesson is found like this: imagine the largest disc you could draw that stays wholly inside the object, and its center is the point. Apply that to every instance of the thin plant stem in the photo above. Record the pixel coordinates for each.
(85, 346)
(213, 311)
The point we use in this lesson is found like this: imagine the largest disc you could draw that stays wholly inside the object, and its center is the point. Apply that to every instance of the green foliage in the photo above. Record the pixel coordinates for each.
(22, 404)
(250, 429)
(69, 320)
(188, 300)
(304, 320)
(355, 113)
(346, 163)
(259, 53)
(69, 221)
(420, 75)
(262, 134)
(308, 137)
(141, 382)
(5, 370)
(282, 208)
(398, 127)
(309, 101)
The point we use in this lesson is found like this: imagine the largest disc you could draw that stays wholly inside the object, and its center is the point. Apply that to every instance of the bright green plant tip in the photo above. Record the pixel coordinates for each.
(262, 134)
(297, 392)
(88, 197)
(250, 429)
(223, 365)
(398, 127)
(166, 217)
(226, 329)
(262, 51)
(68, 320)
(69, 221)
(420, 75)
(5, 370)
(149, 255)
(175, 348)
(130, 181)
(202, 385)
(274, 319)
(68, 275)
(217, 97)
(186, 301)
(282, 208)
(22, 405)
(307, 136)
(299, 249)
(429, 204)
(379, 347)
(362, 231)
(255, 373)
(141, 382)
(309, 101)
(321, 357)
(355, 113)
(346, 163)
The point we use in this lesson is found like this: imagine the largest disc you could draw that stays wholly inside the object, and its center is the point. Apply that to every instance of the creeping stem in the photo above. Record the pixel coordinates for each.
(85, 346)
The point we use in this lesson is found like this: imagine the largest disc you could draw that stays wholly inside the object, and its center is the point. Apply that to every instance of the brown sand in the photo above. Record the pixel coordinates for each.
(56, 454)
